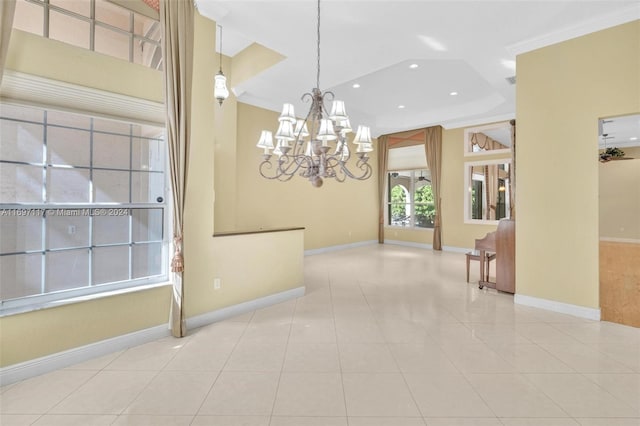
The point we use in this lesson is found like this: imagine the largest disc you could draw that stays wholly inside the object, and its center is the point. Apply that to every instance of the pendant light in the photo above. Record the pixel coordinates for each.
(220, 90)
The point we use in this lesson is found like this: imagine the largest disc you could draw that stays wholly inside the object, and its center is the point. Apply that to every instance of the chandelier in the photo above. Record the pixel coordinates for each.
(315, 148)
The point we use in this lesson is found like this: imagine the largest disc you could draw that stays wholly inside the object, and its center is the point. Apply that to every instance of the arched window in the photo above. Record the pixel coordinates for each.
(410, 199)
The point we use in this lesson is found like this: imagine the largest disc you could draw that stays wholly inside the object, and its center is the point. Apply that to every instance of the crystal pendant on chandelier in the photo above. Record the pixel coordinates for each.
(316, 147)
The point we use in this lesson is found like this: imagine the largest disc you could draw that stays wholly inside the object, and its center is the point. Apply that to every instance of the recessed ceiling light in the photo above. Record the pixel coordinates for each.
(401, 106)
(355, 85)
(633, 138)
(453, 94)
(413, 66)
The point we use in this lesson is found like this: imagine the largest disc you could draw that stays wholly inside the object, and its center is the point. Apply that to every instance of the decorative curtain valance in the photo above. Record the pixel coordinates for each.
(404, 139)
(485, 142)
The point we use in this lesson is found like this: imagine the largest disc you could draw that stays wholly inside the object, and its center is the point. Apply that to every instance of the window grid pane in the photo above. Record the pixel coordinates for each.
(114, 30)
(50, 246)
(69, 29)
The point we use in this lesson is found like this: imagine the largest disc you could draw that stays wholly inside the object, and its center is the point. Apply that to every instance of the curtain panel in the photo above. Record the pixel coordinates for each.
(433, 149)
(7, 11)
(176, 22)
(383, 159)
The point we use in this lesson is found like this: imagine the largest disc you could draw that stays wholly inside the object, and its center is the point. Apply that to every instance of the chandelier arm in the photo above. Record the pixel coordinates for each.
(362, 165)
(289, 165)
(266, 164)
(330, 93)
(283, 168)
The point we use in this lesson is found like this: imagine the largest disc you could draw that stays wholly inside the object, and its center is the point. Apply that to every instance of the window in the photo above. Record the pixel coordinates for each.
(97, 25)
(82, 205)
(410, 199)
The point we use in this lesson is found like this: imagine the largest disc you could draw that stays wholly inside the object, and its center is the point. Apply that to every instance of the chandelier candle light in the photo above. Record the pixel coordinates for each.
(316, 147)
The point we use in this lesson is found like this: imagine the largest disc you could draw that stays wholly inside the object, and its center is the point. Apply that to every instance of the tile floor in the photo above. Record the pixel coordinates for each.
(386, 336)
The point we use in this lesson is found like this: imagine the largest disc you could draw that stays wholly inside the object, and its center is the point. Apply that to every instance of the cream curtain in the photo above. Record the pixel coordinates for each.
(433, 149)
(383, 159)
(176, 21)
(491, 190)
(7, 10)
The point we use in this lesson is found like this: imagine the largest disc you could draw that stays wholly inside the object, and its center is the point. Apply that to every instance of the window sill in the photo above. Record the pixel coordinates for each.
(78, 299)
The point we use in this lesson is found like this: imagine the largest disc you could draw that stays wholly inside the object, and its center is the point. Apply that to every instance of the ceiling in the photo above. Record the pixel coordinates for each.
(620, 132)
(466, 47)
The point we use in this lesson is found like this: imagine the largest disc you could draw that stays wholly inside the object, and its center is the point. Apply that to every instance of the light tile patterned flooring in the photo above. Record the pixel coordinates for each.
(386, 336)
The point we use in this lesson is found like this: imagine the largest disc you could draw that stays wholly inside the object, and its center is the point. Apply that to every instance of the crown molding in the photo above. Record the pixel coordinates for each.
(605, 21)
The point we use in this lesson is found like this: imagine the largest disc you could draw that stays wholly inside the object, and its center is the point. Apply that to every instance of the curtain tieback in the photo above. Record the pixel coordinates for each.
(177, 263)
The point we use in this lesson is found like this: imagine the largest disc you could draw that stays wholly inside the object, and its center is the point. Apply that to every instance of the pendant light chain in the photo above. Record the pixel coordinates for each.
(220, 26)
(318, 38)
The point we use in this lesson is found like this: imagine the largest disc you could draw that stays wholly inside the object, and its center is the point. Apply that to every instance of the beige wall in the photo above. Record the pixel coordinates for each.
(35, 334)
(226, 118)
(32, 54)
(248, 266)
(336, 214)
(562, 90)
(245, 264)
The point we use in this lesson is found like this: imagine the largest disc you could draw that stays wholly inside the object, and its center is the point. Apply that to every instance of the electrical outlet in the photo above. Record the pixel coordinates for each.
(217, 283)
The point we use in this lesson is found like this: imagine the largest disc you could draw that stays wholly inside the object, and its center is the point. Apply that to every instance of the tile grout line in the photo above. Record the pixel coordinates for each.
(335, 329)
(222, 368)
(284, 358)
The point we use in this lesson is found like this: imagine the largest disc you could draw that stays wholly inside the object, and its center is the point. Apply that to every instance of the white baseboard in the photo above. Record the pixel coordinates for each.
(456, 249)
(409, 244)
(243, 308)
(427, 246)
(560, 307)
(24, 370)
(339, 247)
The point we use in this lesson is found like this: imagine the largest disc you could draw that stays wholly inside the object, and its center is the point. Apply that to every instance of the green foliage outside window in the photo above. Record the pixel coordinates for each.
(411, 201)
(425, 207)
(398, 205)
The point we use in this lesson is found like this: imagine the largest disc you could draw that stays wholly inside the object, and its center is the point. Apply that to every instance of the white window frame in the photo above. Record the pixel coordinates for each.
(413, 179)
(36, 301)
